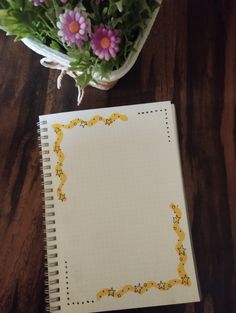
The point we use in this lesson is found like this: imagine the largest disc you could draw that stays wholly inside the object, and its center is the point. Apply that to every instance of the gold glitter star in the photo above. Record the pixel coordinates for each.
(57, 149)
(59, 172)
(57, 130)
(111, 292)
(176, 219)
(185, 280)
(161, 285)
(62, 197)
(181, 250)
(83, 123)
(138, 288)
(108, 122)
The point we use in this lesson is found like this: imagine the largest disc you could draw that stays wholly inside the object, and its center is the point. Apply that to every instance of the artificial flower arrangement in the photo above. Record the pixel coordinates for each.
(97, 35)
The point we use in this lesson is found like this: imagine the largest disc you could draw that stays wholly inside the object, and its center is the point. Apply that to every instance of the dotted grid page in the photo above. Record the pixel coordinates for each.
(120, 216)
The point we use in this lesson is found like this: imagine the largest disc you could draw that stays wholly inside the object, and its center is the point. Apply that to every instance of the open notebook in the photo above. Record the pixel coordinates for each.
(116, 220)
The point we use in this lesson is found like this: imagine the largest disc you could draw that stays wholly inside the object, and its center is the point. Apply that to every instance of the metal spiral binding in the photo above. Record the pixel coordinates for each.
(51, 264)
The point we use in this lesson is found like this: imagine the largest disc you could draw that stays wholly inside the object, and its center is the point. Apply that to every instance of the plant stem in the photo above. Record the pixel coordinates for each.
(55, 5)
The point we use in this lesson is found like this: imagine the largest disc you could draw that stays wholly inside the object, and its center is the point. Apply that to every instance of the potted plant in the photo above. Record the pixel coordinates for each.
(94, 41)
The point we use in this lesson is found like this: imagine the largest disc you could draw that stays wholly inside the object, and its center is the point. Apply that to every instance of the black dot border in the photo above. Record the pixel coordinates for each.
(68, 296)
(165, 118)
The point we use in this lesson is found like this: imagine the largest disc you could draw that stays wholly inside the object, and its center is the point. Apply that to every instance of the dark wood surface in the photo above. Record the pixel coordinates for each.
(189, 58)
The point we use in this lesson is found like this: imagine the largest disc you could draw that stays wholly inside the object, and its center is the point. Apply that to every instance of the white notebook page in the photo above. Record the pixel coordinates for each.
(120, 215)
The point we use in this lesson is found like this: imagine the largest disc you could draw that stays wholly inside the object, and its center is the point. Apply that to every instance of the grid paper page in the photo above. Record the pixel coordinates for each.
(120, 214)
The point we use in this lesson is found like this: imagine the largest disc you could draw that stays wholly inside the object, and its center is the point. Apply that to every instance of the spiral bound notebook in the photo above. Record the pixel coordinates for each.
(116, 222)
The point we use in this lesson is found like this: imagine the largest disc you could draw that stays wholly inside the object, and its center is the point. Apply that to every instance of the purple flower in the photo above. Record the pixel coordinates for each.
(105, 42)
(73, 27)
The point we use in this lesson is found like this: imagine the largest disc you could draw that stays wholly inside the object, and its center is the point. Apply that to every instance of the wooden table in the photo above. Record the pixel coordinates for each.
(189, 58)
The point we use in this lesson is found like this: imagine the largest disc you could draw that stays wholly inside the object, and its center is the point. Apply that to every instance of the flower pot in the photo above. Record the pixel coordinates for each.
(57, 60)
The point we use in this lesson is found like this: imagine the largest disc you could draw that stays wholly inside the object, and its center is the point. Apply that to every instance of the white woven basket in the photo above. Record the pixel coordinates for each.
(57, 60)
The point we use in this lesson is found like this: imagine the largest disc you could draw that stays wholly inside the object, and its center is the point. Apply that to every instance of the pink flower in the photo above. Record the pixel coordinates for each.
(73, 27)
(105, 42)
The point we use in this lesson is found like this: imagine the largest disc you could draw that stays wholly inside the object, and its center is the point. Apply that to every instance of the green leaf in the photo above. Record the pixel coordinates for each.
(119, 5)
(84, 79)
(112, 10)
(14, 26)
(54, 45)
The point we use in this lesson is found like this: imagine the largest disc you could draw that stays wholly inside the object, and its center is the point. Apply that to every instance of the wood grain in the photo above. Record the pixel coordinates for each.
(189, 58)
